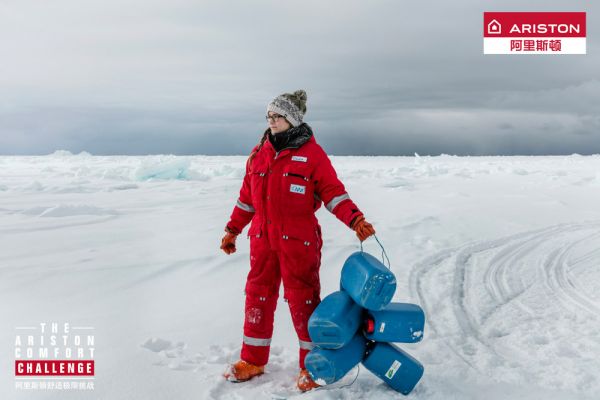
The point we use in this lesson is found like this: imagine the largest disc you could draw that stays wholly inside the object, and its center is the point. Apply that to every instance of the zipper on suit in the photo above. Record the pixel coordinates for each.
(296, 175)
(285, 148)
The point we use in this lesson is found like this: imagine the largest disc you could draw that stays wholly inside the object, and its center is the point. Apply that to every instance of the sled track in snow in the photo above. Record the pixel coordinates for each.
(559, 279)
(462, 290)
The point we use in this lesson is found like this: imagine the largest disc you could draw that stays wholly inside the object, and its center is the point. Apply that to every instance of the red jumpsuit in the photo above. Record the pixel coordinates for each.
(280, 194)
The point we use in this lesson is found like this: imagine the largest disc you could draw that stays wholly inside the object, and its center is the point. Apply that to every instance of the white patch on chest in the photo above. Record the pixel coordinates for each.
(297, 189)
(299, 158)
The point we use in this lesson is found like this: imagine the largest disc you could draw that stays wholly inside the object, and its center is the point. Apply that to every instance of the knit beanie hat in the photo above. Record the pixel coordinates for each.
(291, 105)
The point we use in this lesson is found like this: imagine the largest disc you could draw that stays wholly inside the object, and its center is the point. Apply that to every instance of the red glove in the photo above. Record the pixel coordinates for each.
(362, 228)
(228, 243)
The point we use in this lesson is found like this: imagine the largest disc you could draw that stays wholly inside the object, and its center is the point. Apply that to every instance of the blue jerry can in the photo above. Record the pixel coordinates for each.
(368, 281)
(398, 322)
(328, 366)
(392, 365)
(335, 321)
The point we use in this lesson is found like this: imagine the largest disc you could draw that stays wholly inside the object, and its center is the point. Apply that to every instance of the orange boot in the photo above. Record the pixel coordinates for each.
(242, 371)
(305, 382)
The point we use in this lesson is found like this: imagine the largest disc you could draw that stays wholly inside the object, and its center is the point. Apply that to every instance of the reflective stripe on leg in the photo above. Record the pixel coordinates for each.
(256, 341)
(306, 345)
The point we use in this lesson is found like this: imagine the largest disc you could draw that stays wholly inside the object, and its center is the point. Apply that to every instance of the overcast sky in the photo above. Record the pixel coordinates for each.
(194, 77)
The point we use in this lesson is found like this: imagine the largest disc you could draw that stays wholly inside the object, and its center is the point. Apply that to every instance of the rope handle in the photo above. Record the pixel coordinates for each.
(383, 253)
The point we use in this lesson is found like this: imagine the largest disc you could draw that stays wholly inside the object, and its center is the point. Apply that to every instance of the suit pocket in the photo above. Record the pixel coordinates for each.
(255, 229)
(300, 232)
(258, 180)
(298, 190)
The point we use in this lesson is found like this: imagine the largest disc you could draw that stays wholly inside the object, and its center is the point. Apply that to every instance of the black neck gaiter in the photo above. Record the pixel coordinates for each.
(292, 138)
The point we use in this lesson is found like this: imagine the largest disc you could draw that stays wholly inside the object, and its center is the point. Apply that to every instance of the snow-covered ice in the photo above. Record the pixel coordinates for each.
(501, 252)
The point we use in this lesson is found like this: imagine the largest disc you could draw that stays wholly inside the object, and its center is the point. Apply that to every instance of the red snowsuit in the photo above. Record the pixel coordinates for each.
(280, 194)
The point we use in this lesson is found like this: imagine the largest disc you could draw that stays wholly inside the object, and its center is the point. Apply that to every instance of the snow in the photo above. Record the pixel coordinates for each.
(501, 252)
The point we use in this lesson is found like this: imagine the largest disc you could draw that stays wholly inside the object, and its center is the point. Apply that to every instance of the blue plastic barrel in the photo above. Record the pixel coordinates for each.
(328, 366)
(392, 365)
(398, 322)
(335, 321)
(368, 281)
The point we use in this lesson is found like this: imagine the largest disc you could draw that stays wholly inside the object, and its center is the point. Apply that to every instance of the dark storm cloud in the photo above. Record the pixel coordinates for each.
(383, 77)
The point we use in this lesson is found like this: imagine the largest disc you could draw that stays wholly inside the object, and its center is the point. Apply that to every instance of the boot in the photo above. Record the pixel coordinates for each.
(305, 382)
(242, 371)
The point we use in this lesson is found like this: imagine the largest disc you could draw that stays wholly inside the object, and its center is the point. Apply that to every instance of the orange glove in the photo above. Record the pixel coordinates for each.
(362, 228)
(228, 243)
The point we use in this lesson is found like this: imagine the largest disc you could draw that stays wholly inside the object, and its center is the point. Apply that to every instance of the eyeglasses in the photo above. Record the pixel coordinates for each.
(274, 117)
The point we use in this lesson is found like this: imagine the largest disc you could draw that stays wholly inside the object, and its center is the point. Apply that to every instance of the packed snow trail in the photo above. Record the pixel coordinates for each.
(515, 299)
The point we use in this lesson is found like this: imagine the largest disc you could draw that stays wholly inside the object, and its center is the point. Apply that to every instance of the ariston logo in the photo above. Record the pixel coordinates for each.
(494, 28)
(534, 33)
(545, 28)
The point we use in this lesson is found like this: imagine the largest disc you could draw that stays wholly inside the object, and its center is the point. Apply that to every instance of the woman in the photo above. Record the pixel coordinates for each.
(288, 176)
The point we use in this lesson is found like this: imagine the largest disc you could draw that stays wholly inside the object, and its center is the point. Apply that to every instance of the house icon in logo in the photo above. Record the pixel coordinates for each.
(494, 27)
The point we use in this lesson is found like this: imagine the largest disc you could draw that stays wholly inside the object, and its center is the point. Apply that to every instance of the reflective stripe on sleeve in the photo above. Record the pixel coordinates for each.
(337, 200)
(256, 341)
(245, 206)
(306, 345)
